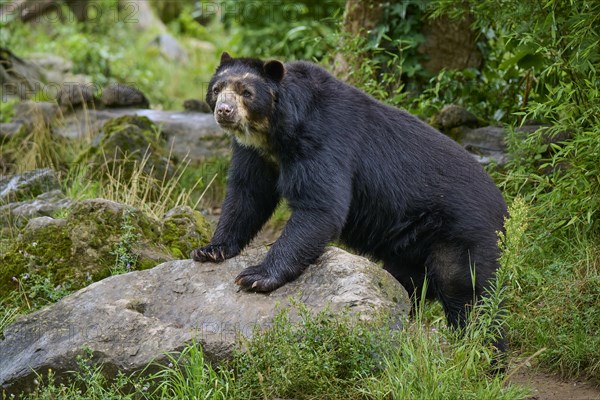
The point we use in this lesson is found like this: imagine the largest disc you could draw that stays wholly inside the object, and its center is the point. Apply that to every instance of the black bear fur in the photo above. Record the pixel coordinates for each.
(355, 169)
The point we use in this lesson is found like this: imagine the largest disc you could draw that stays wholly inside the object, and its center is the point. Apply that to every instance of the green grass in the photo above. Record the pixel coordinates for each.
(188, 375)
(554, 306)
(322, 356)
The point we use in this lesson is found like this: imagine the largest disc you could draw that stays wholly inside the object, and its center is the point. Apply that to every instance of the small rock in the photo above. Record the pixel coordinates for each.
(125, 145)
(55, 67)
(131, 320)
(38, 223)
(74, 95)
(452, 116)
(120, 95)
(36, 112)
(9, 129)
(184, 229)
(27, 185)
(197, 106)
(488, 137)
(45, 204)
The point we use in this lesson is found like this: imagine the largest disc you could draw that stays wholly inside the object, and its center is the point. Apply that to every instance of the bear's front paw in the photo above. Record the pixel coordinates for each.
(258, 279)
(213, 253)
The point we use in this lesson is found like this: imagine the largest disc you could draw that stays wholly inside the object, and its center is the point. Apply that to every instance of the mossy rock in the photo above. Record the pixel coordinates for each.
(98, 225)
(129, 145)
(184, 230)
(45, 244)
(82, 247)
(145, 124)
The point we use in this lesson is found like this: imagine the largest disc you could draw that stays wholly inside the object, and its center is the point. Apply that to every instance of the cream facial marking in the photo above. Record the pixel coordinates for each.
(247, 75)
(246, 131)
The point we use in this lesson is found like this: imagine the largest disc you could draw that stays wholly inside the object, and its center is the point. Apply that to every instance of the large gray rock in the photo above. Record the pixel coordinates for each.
(196, 135)
(130, 320)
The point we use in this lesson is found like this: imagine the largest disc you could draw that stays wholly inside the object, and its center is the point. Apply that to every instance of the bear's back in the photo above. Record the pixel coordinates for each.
(400, 165)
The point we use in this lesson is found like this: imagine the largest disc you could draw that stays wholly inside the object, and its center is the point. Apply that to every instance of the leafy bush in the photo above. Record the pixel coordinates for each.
(323, 356)
(292, 30)
(553, 47)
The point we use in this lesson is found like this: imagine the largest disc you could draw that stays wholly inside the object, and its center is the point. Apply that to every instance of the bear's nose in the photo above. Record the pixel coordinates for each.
(224, 109)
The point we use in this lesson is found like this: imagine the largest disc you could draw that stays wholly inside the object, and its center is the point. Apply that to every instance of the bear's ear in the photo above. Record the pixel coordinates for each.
(225, 57)
(274, 69)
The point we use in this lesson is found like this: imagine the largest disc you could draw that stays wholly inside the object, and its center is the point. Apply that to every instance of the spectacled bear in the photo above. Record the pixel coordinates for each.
(350, 168)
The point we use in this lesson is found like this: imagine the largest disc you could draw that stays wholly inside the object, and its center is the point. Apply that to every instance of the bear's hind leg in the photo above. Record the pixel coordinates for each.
(450, 278)
(412, 277)
(459, 280)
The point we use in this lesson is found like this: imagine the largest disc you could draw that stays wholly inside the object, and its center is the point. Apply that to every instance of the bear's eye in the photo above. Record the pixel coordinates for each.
(247, 94)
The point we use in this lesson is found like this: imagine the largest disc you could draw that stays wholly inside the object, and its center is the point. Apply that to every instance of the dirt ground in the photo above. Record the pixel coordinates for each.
(549, 387)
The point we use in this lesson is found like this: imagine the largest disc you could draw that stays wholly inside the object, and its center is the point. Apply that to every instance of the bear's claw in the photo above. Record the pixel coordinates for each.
(210, 253)
(257, 279)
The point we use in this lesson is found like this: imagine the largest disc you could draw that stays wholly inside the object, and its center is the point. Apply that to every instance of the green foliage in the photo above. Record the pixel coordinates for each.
(188, 375)
(398, 35)
(490, 93)
(292, 30)
(7, 110)
(37, 290)
(125, 259)
(553, 299)
(169, 10)
(373, 69)
(323, 356)
(208, 180)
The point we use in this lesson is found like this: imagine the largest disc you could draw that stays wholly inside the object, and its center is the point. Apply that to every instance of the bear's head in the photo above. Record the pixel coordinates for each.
(242, 94)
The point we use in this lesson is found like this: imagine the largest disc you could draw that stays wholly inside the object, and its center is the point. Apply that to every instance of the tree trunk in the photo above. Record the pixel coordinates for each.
(360, 17)
(450, 44)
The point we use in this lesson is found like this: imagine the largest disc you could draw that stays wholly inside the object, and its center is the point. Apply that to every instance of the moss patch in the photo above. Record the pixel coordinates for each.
(184, 229)
(85, 246)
